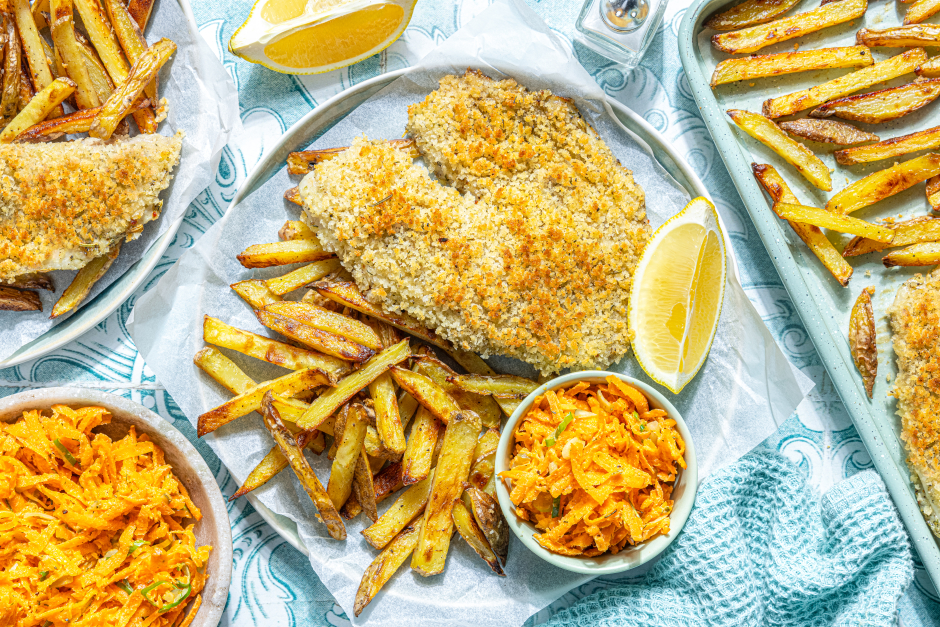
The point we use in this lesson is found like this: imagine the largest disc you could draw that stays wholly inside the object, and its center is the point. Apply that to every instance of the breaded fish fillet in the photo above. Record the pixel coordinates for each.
(915, 321)
(62, 204)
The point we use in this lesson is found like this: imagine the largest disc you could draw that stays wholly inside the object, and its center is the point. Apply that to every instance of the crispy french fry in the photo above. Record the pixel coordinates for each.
(12, 299)
(274, 462)
(914, 231)
(63, 36)
(439, 373)
(292, 195)
(921, 10)
(250, 400)
(419, 452)
(900, 36)
(884, 183)
(933, 192)
(321, 341)
(883, 105)
(474, 364)
(862, 339)
(796, 154)
(811, 235)
(749, 13)
(300, 162)
(140, 11)
(827, 131)
(387, 418)
(748, 68)
(384, 566)
(348, 451)
(283, 253)
(756, 37)
(255, 292)
(295, 229)
(214, 331)
(930, 68)
(42, 104)
(348, 294)
(453, 466)
(489, 517)
(33, 281)
(426, 392)
(84, 281)
(917, 255)
(404, 510)
(894, 147)
(882, 71)
(386, 482)
(499, 386)
(471, 532)
(327, 403)
(363, 488)
(120, 102)
(301, 276)
(39, 70)
(77, 122)
(223, 370)
(96, 71)
(295, 456)
(833, 221)
(130, 36)
(329, 321)
(9, 99)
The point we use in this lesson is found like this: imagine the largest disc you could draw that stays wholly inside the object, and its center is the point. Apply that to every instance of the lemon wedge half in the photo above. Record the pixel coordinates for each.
(676, 296)
(315, 36)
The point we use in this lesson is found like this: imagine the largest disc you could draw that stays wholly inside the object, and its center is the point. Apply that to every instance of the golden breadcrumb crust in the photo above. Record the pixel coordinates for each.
(65, 203)
(915, 321)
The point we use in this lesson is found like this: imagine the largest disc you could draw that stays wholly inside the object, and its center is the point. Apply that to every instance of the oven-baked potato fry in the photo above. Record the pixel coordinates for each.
(295, 229)
(255, 292)
(404, 510)
(348, 449)
(927, 254)
(40, 73)
(760, 66)
(330, 321)
(920, 11)
(62, 27)
(894, 147)
(884, 105)
(933, 192)
(469, 530)
(388, 423)
(914, 231)
(419, 451)
(930, 68)
(308, 479)
(292, 195)
(347, 294)
(13, 299)
(438, 372)
(833, 221)
(363, 489)
(811, 235)
(489, 517)
(140, 11)
(274, 462)
(291, 409)
(33, 281)
(879, 185)
(320, 341)
(250, 400)
(384, 566)
(216, 332)
(12, 69)
(331, 400)
(426, 392)
(77, 122)
(223, 370)
(858, 80)
(296, 279)
(498, 386)
(300, 162)
(131, 38)
(283, 253)
(754, 38)
(40, 106)
(827, 131)
(749, 13)
(474, 364)
(862, 342)
(481, 472)
(453, 466)
(385, 482)
(796, 154)
(86, 278)
(909, 36)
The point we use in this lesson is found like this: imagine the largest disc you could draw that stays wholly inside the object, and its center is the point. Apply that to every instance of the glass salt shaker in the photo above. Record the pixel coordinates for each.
(620, 30)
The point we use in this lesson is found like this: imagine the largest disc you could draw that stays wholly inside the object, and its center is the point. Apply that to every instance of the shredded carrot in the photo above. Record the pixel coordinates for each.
(93, 532)
(593, 468)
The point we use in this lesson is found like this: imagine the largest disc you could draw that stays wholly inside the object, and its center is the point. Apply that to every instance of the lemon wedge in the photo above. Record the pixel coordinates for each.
(314, 36)
(676, 296)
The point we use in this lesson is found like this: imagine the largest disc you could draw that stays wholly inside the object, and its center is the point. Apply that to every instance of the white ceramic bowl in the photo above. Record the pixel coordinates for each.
(188, 466)
(631, 557)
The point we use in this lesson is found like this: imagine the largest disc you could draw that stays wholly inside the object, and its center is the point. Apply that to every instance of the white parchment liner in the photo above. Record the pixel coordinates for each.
(745, 390)
(203, 102)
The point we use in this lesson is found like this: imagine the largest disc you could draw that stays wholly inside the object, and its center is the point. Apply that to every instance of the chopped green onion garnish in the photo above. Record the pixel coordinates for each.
(550, 442)
(43, 575)
(556, 503)
(184, 592)
(136, 545)
(126, 587)
(65, 452)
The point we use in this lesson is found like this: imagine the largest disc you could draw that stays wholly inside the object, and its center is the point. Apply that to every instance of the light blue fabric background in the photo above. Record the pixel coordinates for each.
(272, 583)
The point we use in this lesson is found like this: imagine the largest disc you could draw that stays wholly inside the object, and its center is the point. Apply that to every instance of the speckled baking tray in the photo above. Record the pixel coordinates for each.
(822, 303)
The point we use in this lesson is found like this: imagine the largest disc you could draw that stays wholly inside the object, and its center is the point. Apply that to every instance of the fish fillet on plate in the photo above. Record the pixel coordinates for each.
(64, 203)
(915, 321)
(526, 244)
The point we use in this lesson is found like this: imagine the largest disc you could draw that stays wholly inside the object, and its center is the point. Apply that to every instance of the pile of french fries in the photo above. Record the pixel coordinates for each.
(102, 69)
(354, 387)
(755, 24)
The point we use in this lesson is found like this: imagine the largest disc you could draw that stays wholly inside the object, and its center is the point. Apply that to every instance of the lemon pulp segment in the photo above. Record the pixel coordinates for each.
(277, 11)
(344, 37)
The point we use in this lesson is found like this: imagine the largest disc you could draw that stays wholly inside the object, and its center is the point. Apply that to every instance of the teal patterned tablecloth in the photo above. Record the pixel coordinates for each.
(273, 584)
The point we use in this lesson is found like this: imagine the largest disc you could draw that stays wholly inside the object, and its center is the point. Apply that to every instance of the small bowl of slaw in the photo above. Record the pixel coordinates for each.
(566, 447)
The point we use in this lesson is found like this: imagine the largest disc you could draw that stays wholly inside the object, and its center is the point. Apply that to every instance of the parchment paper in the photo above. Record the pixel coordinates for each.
(745, 390)
(203, 102)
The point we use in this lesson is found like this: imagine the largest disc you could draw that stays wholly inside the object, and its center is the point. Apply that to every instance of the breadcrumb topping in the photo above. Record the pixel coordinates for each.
(534, 260)
(65, 203)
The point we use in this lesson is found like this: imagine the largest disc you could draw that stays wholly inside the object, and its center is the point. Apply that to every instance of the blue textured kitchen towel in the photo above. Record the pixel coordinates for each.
(760, 548)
